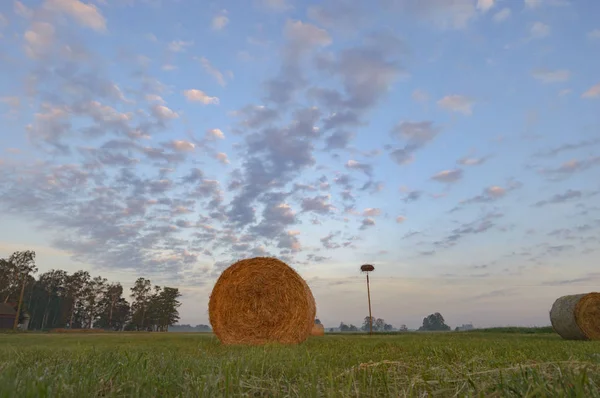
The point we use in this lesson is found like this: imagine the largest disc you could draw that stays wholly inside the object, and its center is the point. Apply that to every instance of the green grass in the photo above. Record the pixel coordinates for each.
(192, 365)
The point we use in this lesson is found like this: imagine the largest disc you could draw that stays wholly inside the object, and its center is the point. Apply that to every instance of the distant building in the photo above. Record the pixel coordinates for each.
(466, 326)
(7, 316)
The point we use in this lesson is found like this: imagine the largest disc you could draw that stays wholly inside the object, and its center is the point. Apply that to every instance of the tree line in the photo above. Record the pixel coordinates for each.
(433, 322)
(57, 299)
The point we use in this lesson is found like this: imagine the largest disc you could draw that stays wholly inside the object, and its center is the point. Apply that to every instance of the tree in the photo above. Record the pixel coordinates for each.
(76, 286)
(114, 291)
(53, 286)
(366, 323)
(9, 280)
(434, 322)
(140, 293)
(317, 321)
(25, 265)
(168, 304)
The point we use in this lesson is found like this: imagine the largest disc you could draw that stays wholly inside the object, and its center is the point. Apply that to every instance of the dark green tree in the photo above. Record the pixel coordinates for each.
(434, 322)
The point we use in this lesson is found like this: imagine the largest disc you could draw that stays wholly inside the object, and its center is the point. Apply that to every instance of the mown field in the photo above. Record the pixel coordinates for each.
(196, 365)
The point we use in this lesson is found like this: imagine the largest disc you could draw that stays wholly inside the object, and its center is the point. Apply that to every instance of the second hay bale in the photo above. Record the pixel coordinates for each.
(317, 330)
(261, 300)
(577, 317)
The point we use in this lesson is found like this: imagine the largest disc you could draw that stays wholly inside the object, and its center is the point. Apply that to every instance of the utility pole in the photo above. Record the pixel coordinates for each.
(366, 268)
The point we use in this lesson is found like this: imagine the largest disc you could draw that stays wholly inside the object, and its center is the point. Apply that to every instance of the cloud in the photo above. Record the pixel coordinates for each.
(338, 14)
(448, 176)
(485, 5)
(444, 14)
(412, 196)
(181, 145)
(416, 135)
(551, 76)
(219, 22)
(163, 112)
(533, 3)
(480, 225)
(200, 96)
(215, 134)
(304, 36)
(211, 70)
(354, 165)
(568, 147)
(222, 157)
(492, 193)
(420, 96)
(502, 15)
(569, 195)
(22, 10)
(457, 103)
(594, 34)
(178, 46)
(366, 223)
(85, 14)
(539, 30)
(572, 166)
(275, 5)
(371, 212)
(472, 161)
(318, 204)
(592, 92)
(39, 39)
(339, 140)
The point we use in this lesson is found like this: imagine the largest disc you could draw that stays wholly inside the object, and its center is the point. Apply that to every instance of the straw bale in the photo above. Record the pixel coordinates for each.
(261, 300)
(317, 330)
(577, 317)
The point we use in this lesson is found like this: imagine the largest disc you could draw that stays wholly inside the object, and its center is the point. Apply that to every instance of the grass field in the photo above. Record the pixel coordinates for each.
(192, 365)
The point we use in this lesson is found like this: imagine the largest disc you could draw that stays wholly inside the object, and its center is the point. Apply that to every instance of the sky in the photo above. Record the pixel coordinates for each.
(453, 144)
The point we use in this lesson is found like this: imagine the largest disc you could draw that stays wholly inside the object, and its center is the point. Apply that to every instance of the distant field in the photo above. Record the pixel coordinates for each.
(191, 365)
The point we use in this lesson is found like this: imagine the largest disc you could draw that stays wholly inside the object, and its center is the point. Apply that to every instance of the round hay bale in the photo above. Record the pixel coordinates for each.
(261, 300)
(577, 317)
(317, 330)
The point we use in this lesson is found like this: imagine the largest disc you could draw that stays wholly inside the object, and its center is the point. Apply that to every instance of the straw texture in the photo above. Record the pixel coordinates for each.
(577, 317)
(261, 300)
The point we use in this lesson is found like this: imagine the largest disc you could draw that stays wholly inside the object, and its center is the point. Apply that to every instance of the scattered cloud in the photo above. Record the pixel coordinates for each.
(415, 135)
(214, 72)
(448, 176)
(592, 92)
(178, 46)
(275, 5)
(594, 34)
(568, 196)
(219, 22)
(222, 157)
(85, 14)
(485, 5)
(551, 76)
(539, 30)
(457, 103)
(420, 96)
(200, 96)
(533, 3)
(502, 15)
(215, 134)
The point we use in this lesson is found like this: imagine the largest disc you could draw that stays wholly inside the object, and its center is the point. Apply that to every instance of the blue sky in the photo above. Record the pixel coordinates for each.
(452, 144)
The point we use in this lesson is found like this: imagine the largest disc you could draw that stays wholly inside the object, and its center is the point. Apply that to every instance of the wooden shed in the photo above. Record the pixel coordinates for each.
(7, 316)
